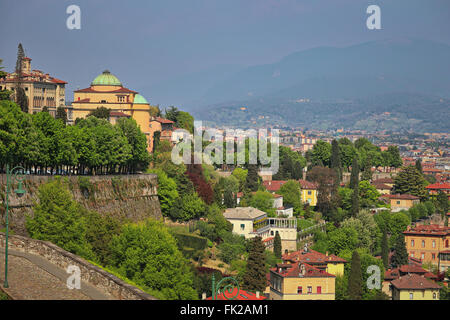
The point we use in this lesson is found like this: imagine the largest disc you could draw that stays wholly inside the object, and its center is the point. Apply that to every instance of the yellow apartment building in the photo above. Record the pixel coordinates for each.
(308, 192)
(414, 287)
(430, 244)
(301, 281)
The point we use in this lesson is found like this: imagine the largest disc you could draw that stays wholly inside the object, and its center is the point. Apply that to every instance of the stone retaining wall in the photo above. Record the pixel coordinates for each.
(133, 197)
(90, 273)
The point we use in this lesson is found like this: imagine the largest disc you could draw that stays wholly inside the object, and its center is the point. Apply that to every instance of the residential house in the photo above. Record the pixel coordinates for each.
(430, 244)
(414, 287)
(301, 281)
(400, 202)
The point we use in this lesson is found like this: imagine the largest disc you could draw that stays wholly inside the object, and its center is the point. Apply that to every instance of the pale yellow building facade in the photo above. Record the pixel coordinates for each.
(107, 91)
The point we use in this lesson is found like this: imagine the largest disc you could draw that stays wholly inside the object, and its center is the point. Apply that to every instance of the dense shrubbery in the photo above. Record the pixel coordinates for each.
(147, 254)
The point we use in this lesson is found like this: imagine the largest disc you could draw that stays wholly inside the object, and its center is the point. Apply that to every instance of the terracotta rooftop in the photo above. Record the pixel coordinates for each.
(295, 270)
(242, 295)
(439, 186)
(384, 180)
(311, 257)
(273, 185)
(304, 184)
(414, 282)
(432, 229)
(162, 120)
(118, 114)
(400, 196)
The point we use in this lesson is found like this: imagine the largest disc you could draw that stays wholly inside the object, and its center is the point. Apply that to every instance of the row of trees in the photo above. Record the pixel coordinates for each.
(43, 144)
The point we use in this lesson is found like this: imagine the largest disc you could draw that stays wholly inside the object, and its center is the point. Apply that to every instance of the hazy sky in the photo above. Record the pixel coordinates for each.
(145, 42)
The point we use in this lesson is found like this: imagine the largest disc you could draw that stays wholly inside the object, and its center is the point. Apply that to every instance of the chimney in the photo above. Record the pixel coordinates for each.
(257, 294)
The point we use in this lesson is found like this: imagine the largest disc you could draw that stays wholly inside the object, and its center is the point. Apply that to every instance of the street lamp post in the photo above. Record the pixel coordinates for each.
(15, 174)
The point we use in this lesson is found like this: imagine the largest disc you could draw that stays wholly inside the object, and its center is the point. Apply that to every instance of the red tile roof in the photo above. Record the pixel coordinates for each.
(307, 184)
(439, 186)
(432, 229)
(242, 295)
(384, 180)
(120, 90)
(400, 196)
(162, 120)
(414, 281)
(294, 270)
(311, 257)
(273, 185)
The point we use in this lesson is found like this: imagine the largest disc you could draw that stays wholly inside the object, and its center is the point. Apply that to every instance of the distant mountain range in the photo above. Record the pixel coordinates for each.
(328, 86)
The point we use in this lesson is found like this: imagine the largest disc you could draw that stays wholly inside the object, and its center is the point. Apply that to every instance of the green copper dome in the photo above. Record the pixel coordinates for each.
(106, 79)
(138, 99)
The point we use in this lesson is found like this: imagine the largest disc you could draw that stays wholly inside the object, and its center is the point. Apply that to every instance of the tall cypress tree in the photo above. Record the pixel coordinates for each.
(277, 245)
(20, 96)
(254, 278)
(354, 184)
(355, 280)
(400, 256)
(385, 249)
(61, 114)
(252, 178)
(419, 165)
(228, 199)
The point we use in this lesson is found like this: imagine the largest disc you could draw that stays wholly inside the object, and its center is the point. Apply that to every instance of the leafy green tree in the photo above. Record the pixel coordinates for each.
(345, 238)
(291, 195)
(368, 194)
(366, 228)
(277, 245)
(263, 201)
(442, 202)
(410, 181)
(137, 140)
(400, 256)
(148, 255)
(355, 281)
(167, 191)
(335, 162)
(4, 94)
(188, 207)
(255, 276)
(321, 154)
(241, 175)
(59, 219)
(99, 233)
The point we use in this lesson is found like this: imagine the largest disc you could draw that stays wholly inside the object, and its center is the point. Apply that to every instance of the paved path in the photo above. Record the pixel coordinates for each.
(31, 277)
